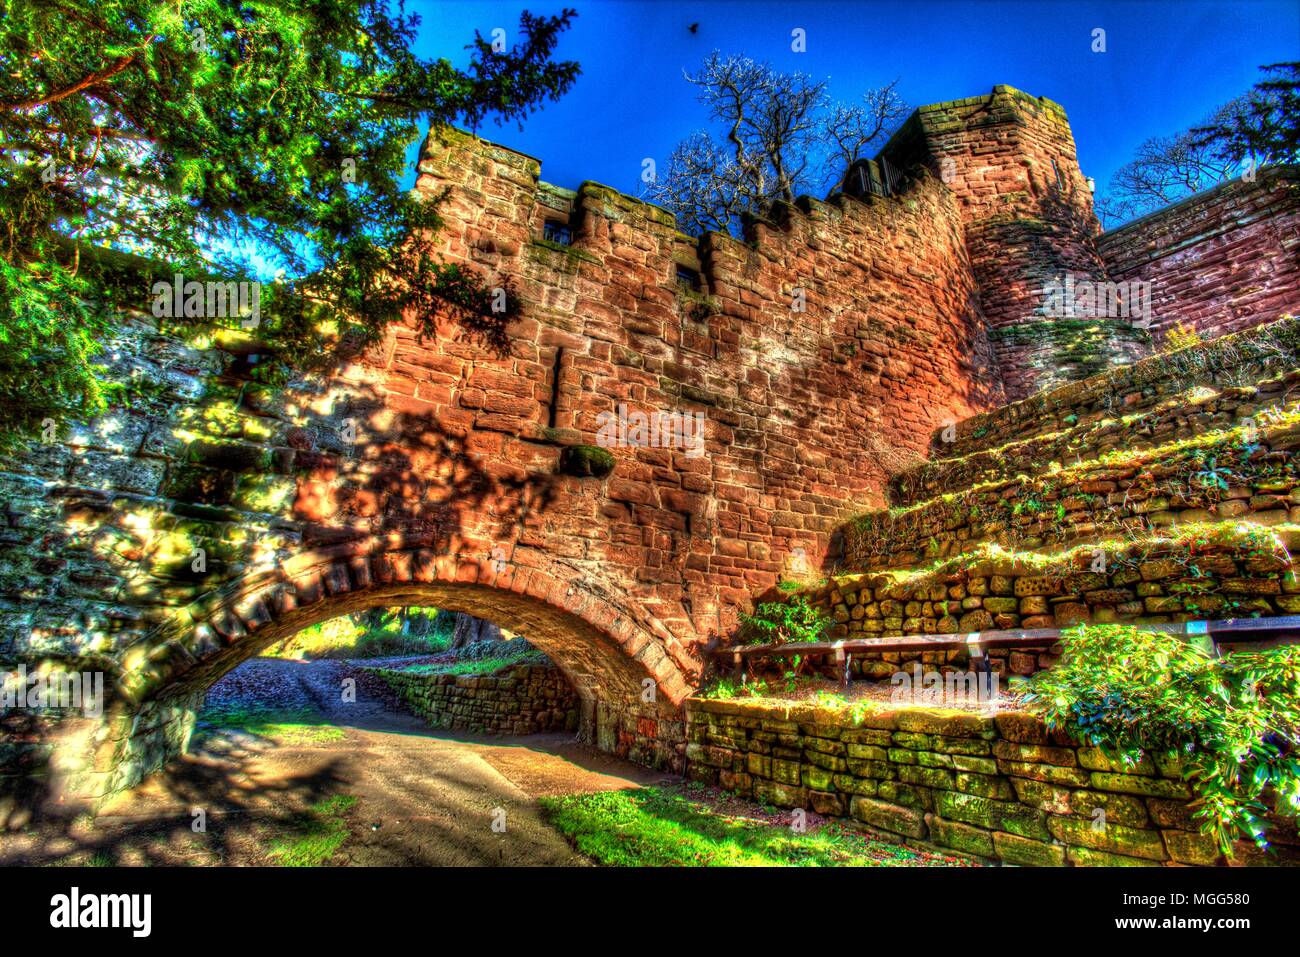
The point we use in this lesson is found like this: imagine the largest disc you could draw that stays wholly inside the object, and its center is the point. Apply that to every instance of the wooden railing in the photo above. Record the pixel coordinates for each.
(1207, 634)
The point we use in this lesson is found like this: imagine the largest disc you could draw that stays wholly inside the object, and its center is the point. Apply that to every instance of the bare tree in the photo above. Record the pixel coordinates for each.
(776, 135)
(1169, 168)
(851, 128)
(704, 186)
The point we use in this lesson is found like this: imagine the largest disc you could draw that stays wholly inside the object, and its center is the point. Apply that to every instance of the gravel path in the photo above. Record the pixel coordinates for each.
(423, 797)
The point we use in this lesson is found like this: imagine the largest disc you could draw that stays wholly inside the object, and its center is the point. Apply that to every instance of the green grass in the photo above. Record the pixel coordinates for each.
(320, 834)
(286, 726)
(483, 666)
(695, 826)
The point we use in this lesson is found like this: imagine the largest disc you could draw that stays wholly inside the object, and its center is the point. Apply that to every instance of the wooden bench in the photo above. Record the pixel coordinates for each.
(1206, 634)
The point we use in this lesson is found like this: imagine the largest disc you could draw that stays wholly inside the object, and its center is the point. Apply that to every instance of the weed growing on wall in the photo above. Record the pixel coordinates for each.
(1234, 721)
(790, 621)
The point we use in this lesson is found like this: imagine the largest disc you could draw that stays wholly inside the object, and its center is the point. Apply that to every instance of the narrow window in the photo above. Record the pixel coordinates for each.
(688, 280)
(557, 232)
(1060, 181)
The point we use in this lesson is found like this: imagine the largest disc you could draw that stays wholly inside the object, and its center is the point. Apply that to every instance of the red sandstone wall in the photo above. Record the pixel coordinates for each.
(807, 412)
(1221, 261)
(1010, 160)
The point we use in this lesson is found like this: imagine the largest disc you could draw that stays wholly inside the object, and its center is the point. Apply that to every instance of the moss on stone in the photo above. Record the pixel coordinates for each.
(587, 461)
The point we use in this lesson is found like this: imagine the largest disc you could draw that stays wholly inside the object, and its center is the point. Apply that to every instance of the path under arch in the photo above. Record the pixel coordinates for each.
(404, 793)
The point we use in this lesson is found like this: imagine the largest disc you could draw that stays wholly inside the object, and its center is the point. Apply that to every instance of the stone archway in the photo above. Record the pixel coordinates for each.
(630, 688)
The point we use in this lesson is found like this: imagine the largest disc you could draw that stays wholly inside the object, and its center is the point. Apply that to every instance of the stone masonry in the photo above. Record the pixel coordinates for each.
(1220, 261)
(208, 516)
(516, 699)
(997, 786)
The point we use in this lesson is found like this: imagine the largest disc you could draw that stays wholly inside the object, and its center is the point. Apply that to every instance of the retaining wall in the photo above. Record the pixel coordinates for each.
(517, 699)
(999, 787)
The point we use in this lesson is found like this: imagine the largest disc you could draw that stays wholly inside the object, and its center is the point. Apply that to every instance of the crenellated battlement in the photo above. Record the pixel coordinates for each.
(870, 304)
(997, 172)
(598, 217)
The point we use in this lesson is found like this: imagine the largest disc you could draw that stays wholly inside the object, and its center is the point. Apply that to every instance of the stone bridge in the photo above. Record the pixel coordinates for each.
(207, 516)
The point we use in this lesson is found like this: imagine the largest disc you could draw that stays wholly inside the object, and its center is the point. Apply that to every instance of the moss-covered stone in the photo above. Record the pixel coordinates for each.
(1118, 808)
(264, 493)
(1090, 857)
(1113, 838)
(232, 456)
(1187, 848)
(1041, 795)
(200, 485)
(587, 461)
(888, 817)
(984, 785)
(1015, 849)
(960, 837)
(1148, 787)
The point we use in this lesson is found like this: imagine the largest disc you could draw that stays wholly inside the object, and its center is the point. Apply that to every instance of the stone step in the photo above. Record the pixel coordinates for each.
(1217, 570)
(1249, 474)
(1241, 359)
(1192, 412)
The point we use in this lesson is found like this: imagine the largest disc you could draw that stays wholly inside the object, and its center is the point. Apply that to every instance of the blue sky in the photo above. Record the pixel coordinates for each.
(1167, 63)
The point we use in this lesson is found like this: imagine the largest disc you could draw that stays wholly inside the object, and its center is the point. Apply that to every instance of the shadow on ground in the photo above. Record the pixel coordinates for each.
(284, 770)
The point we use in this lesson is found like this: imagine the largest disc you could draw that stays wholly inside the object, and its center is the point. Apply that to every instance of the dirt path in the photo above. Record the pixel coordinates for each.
(422, 797)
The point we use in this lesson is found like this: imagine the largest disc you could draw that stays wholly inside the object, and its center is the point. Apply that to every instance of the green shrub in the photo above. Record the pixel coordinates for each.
(780, 622)
(725, 689)
(1233, 721)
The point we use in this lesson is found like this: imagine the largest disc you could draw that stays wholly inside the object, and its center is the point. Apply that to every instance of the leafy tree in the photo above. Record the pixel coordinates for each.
(776, 135)
(215, 137)
(1266, 129)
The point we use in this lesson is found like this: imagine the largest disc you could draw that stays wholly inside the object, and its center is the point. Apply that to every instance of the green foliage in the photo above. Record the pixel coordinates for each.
(1212, 475)
(294, 726)
(1267, 126)
(781, 622)
(1181, 336)
(1233, 721)
(587, 461)
(46, 362)
(725, 689)
(231, 141)
(525, 654)
(378, 633)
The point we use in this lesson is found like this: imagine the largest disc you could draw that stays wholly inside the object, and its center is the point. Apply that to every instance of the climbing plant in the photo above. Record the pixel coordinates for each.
(1233, 722)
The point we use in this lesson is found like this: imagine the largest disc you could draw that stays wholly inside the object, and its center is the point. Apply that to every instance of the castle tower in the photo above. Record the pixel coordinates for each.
(1010, 160)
